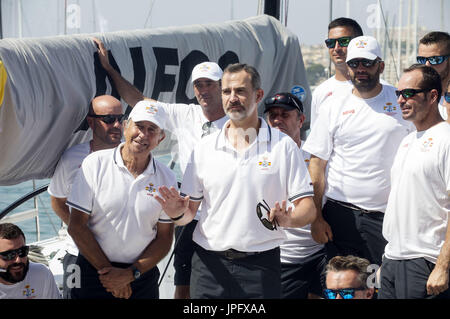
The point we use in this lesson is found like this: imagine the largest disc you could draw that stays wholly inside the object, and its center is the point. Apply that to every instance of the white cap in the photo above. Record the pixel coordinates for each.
(209, 70)
(365, 47)
(148, 111)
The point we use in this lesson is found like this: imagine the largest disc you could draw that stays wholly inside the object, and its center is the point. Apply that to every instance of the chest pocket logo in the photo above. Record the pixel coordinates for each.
(151, 189)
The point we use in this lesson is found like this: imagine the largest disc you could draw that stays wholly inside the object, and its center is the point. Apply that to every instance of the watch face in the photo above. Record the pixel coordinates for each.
(136, 273)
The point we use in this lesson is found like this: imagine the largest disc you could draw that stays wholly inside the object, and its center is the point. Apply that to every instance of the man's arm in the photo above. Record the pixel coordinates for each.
(304, 213)
(126, 90)
(114, 278)
(438, 279)
(320, 230)
(60, 208)
(85, 239)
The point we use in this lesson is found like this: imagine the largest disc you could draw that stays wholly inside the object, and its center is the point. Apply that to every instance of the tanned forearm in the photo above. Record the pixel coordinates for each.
(317, 172)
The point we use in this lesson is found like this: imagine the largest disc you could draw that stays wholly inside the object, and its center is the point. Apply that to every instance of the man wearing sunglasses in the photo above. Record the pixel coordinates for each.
(302, 259)
(188, 124)
(346, 278)
(340, 32)
(19, 277)
(355, 137)
(416, 225)
(105, 120)
(434, 51)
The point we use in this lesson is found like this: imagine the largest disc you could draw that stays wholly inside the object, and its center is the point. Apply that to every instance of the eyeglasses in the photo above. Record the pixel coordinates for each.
(109, 118)
(345, 293)
(365, 63)
(283, 99)
(447, 97)
(206, 127)
(11, 254)
(268, 224)
(408, 93)
(434, 60)
(343, 42)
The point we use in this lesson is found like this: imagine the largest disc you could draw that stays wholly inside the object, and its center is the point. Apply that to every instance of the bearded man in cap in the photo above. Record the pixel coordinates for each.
(120, 229)
(357, 135)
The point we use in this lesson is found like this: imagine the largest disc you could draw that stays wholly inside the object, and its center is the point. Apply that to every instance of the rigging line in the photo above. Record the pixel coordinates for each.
(389, 41)
(149, 13)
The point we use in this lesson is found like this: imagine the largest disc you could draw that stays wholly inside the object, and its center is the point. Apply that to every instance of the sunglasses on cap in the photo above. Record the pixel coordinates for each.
(434, 60)
(284, 99)
(343, 42)
(408, 93)
(365, 63)
(268, 224)
(11, 254)
(109, 118)
(345, 293)
(447, 97)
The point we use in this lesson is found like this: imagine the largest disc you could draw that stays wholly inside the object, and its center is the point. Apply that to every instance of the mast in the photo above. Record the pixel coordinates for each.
(272, 8)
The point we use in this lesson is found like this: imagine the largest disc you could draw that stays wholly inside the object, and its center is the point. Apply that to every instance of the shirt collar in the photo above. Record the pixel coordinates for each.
(264, 134)
(118, 160)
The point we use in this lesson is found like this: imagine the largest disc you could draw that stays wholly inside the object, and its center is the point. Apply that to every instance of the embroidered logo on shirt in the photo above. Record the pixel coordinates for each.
(151, 189)
(264, 163)
(348, 112)
(28, 292)
(427, 144)
(389, 109)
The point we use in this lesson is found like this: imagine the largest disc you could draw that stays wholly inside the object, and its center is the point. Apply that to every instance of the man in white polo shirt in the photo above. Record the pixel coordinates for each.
(105, 120)
(302, 259)
(356, 135)
(417, 257)
(243, 176)
(188, 124)
(340, 33)
(434, 51)
(120, 229)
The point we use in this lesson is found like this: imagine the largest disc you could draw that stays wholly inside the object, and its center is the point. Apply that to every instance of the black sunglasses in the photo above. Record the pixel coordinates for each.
(283, 99)
(206, 128)
(345, 293)
(447, 97)
(408, 93)
(11, 254)
(343, 42)
(110, 118)
(268, 224)
(365, 63)
(434, 60)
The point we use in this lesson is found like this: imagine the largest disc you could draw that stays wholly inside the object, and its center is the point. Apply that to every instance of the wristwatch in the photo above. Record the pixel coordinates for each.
(136, 272)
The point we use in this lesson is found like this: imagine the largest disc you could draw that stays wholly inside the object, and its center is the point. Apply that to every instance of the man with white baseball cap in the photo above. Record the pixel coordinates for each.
(356, 135)
(188, 124)
(119, 227)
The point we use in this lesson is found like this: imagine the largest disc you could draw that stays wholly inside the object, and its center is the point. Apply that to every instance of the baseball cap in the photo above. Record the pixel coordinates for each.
(209, 70)
(365, 47)
(148, 111)
(284, 100)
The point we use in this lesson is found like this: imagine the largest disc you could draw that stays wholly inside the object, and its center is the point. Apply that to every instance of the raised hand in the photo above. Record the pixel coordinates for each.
(172, 202)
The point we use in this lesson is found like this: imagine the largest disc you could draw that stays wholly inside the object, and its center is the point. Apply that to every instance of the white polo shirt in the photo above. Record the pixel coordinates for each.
(63, 177)
(359, 139)
(442, 109)
(123, 212)
(185, 122)
(231, 184)
(324, 90)
(299, 243)
(417, 214)
(38, 283)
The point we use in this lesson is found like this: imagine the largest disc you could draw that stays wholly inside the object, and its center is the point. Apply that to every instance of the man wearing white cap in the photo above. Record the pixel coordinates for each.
(357, 135)
(188, 123)
(120, 229)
